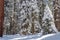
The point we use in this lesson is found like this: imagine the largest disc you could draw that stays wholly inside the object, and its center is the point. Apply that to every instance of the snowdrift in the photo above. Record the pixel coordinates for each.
(54, 36)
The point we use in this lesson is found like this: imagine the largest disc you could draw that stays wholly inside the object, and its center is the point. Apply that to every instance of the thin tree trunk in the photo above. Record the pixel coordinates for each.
(1, 16)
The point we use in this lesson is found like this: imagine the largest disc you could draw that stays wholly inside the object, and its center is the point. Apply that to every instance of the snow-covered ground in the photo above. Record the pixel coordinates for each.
(32, 37)
(52, 37)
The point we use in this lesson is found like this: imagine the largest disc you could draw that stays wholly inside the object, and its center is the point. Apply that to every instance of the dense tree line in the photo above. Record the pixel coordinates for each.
(29, 17)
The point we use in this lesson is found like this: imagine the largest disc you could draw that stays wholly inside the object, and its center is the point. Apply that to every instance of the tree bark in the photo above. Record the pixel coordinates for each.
(1, 16)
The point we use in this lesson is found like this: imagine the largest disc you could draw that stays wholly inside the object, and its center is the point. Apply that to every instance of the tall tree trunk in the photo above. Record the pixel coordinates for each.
(57, 14)
(1, 16)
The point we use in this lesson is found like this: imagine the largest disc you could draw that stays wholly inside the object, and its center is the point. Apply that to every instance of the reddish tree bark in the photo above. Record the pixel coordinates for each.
(1, 16)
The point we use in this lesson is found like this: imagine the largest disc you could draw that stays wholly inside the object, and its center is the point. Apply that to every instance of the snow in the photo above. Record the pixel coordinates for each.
(25, 12)
(30, 8)
(54, 36)
(48, 15)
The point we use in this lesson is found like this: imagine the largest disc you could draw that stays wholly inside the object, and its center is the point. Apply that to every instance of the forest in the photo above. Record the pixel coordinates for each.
(29, 17)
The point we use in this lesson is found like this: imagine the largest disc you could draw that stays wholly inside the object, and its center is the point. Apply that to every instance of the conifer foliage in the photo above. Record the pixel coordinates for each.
(28, 17)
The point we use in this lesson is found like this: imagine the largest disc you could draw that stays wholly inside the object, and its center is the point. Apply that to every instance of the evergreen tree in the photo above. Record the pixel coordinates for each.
(28, 17)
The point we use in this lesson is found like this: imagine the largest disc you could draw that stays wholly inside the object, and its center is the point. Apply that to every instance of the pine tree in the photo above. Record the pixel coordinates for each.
(27, 16)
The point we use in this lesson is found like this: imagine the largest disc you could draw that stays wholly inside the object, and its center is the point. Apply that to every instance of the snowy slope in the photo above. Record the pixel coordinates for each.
(53, 37)
(32, 37)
